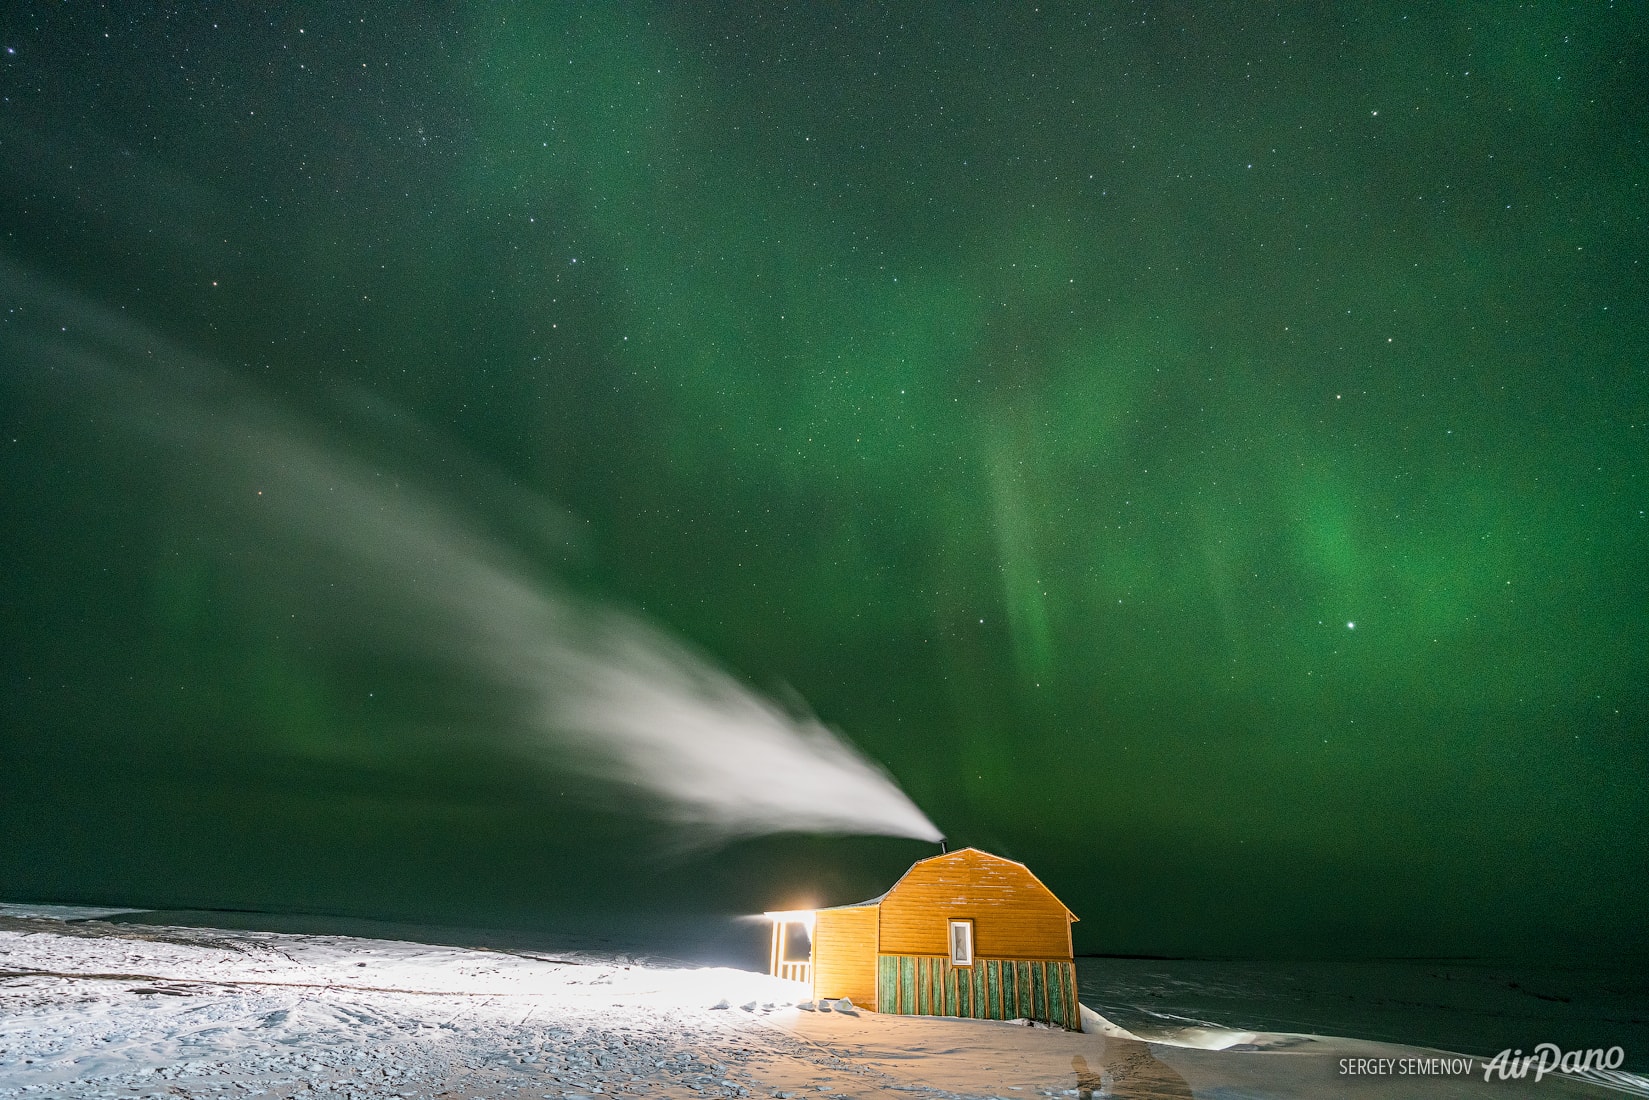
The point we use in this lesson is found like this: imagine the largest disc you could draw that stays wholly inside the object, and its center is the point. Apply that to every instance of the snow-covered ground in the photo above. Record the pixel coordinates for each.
(98, 1009)
(1479, 1006)
(90, 1008)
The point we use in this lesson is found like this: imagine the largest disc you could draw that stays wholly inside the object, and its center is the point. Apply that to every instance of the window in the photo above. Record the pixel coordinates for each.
(961, 943)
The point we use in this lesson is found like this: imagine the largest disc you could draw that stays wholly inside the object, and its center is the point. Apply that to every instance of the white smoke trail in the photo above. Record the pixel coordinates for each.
(594, 688)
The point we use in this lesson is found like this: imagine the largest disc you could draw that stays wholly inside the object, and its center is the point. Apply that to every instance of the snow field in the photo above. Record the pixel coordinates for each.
(97, 1010)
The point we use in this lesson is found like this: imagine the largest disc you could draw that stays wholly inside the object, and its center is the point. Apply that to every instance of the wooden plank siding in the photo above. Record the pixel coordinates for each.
(991, 989)
(1014, 915)
(844, 954)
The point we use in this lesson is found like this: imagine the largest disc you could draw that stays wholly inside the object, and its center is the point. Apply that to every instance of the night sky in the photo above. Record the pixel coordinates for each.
(1200, 451)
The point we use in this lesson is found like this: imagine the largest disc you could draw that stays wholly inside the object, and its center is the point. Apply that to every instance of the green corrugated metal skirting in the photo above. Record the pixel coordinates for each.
(990, 989)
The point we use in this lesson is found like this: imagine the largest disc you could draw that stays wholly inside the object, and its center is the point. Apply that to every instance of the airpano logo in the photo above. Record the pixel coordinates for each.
(1508, 1065)
(1549, 1057)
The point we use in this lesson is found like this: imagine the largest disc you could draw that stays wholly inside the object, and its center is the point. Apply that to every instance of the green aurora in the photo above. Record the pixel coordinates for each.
(1199, 451)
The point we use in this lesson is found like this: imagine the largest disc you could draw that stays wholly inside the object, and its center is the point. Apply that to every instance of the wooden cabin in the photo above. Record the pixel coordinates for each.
(961, 934)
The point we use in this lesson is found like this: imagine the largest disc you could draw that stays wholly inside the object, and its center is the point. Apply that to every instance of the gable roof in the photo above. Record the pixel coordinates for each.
(953, 856)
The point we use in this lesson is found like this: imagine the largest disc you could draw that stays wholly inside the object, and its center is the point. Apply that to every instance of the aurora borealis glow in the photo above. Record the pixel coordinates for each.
(1199, 451)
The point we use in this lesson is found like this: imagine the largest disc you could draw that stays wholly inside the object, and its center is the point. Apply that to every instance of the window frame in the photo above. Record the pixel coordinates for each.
(973, 948)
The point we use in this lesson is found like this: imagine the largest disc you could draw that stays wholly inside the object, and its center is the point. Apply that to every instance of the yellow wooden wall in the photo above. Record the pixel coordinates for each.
(844, 954)
(1014, 915)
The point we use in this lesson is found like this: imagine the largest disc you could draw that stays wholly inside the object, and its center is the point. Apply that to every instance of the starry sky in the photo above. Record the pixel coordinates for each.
(1197, 449)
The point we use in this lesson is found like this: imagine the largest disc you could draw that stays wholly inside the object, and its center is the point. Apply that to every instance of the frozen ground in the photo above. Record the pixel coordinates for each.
(97, 1009)
(1474, 1006)
(90, 1008)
